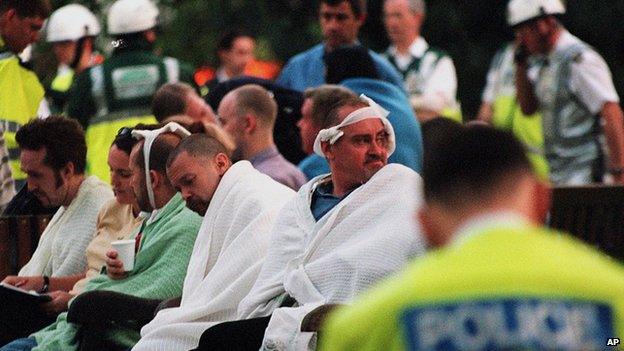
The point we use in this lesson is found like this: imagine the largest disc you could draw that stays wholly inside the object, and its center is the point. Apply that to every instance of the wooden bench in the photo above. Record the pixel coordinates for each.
(19, 236)
(593, 213)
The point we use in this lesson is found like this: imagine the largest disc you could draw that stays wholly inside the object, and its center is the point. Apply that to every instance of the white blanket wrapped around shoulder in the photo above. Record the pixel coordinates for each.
(226, 260)
(367, 236)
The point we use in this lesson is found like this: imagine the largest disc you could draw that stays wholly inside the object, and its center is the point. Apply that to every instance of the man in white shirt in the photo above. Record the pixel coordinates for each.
(428, 73)
(572, 87)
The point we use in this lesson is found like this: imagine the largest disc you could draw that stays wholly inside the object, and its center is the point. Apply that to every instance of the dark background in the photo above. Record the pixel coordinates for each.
(469, 30)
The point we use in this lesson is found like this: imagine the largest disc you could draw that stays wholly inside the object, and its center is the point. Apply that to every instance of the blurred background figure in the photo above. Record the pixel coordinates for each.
(21, 92)
(235, 51)
(118, 93)
(181, 99)
(571, 86)
(500, 108)
(340, 22)
(428, 72)
(71, 30)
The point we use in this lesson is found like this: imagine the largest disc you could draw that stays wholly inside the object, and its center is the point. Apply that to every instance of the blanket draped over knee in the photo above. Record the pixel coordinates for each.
(160, 265)
(367, 236)
(226, 260)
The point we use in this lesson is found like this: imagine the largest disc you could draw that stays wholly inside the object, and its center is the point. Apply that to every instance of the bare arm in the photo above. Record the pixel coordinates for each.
(613, 119)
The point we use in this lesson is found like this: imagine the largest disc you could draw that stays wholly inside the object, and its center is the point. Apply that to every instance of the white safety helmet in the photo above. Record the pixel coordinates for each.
(520, 11)
(72, 22)
(132, 16)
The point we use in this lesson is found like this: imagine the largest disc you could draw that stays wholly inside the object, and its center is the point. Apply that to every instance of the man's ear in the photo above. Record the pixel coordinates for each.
(222, 162)
(361, 19)
(542, 196)
(432, 220)
(156, 179)
(250, 123)
(327, 150)
(68, 170)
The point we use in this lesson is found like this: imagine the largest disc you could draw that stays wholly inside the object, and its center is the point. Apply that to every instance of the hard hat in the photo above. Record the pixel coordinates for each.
(72, 22)
(520, 11)
(131, 16)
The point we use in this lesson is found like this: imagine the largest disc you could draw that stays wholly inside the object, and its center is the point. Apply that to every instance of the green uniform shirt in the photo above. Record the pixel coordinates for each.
(517, 287)
(116, 94)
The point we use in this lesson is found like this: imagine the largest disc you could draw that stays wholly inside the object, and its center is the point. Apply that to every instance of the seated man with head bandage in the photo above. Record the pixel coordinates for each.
(341, 233)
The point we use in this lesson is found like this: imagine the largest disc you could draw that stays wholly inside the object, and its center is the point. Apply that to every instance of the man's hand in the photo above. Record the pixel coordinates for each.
(26, 283)
(114, 267)
(59, 303)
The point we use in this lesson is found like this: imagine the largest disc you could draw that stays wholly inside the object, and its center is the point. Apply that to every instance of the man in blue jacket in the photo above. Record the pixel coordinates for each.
(340, 22)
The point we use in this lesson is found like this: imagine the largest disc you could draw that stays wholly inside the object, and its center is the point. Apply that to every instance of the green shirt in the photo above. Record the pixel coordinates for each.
(502, 288)
(159, 271)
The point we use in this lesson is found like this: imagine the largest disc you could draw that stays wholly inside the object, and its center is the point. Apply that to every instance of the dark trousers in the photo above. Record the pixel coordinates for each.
(240, 335)
(18, 321)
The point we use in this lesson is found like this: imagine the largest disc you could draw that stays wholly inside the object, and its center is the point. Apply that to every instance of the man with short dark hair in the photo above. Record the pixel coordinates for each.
(340, 234)
(340, 23)
(498, 280)
(53, 155)
(21, 92)
(248, 115)
(180, 99)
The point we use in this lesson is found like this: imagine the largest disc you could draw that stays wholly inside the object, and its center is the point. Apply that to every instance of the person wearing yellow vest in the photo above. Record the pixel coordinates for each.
(71, 30)
(500, 108)
(118, 93)
(21, 92)
(428, 73)
(496, 279)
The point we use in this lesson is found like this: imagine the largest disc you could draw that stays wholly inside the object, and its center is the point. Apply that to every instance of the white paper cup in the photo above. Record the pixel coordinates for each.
(125, 252)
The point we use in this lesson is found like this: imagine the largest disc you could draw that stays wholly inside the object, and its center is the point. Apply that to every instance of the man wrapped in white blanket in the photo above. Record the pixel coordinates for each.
(341, 234)
(239, 205)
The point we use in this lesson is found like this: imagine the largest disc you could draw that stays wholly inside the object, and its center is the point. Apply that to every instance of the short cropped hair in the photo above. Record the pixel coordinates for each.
(62, 138)
(27, 8)
(170, 100)
(254, 98)
(197, 145)
(324, 98)
(333, 117)
(162, 147)
(472, 165)
(358, 6)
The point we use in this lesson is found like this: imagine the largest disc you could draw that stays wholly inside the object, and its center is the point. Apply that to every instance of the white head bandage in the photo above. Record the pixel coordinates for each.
(334, 133)
(150, 136)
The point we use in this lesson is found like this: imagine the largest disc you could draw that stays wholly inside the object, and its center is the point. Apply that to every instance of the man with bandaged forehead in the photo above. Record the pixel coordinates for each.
(343, 232)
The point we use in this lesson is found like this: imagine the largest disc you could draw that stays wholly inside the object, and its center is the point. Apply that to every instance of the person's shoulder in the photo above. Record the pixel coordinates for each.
(399, 171)
(316, 50)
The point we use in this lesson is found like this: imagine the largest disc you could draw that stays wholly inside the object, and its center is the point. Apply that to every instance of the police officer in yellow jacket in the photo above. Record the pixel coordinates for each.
(21, 92)
(118, 93)
(498, 281)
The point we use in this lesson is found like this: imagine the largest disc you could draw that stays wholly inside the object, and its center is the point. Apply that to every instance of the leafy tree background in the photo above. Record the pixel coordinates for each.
(469, 30)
